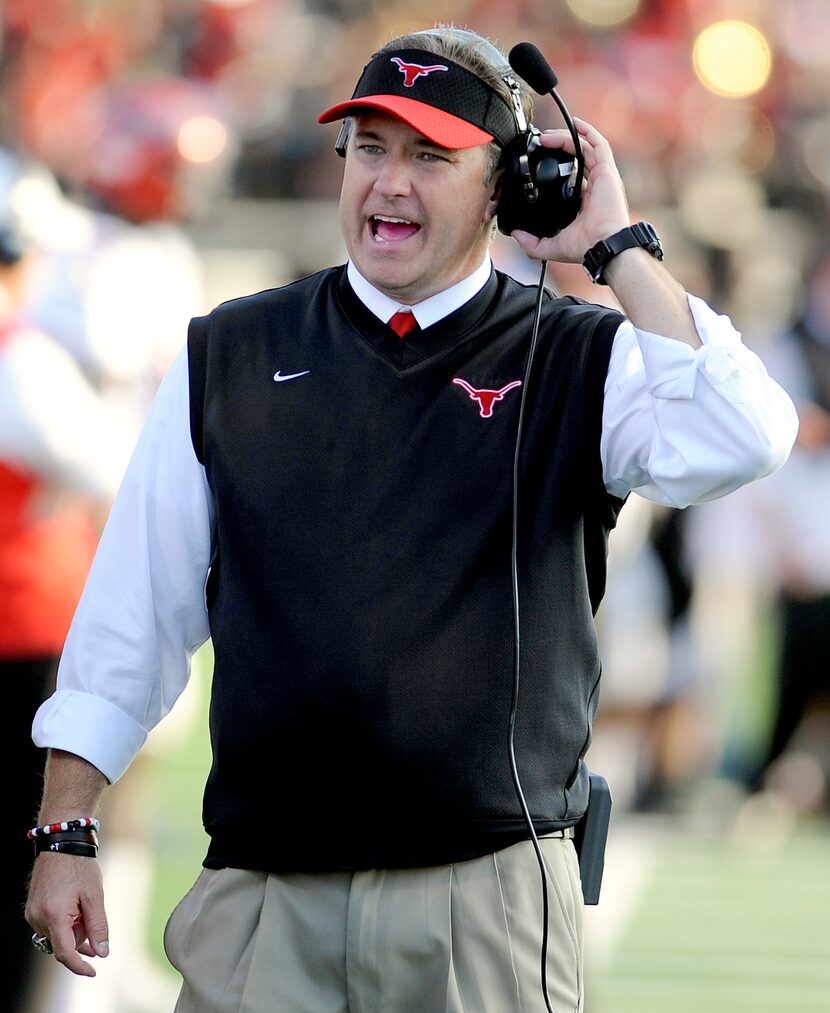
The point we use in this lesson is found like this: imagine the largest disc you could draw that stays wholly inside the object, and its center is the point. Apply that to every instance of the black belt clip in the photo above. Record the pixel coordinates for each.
(591, 833)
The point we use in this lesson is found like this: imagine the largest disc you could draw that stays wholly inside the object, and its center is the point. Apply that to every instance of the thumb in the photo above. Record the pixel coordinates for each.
(101, 947)
(95, 928)
(526, 241)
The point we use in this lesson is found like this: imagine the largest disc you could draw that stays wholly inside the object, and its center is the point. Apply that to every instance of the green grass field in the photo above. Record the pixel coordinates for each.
(725, 925)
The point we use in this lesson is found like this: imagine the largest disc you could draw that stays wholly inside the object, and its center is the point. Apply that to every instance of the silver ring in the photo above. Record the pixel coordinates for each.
(41, 943)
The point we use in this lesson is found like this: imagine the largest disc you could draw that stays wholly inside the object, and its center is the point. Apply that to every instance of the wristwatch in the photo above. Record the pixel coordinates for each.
(599, 256)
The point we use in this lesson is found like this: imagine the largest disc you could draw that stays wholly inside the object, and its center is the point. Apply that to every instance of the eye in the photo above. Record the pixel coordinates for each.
(432, 156)
(370, 149)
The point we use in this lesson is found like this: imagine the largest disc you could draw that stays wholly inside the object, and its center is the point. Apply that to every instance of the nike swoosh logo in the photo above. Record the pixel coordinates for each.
(289, 376)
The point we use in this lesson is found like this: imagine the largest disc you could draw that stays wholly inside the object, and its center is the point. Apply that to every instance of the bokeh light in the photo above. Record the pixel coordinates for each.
(732, 58)
(604, 12)
(201, 139)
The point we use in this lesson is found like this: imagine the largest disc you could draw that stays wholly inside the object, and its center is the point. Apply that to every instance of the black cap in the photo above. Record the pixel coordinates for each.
(443, 101)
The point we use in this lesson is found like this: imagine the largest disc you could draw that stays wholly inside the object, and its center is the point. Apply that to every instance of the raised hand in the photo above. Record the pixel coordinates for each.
(604, 208)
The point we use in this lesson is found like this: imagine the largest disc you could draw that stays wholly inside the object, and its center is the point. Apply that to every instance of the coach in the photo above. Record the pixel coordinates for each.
(323, 487)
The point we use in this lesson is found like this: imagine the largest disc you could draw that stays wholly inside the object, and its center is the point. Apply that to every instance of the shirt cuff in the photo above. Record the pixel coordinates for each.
(672, 366)
(90, 727)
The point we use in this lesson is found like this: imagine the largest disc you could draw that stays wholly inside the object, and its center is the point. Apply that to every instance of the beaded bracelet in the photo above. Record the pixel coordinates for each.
(67, 826)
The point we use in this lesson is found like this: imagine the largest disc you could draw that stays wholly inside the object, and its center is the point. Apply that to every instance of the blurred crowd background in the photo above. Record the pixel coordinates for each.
(157, 157)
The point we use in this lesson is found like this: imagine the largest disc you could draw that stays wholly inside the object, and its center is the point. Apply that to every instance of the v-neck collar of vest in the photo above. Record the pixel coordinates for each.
(404, 353)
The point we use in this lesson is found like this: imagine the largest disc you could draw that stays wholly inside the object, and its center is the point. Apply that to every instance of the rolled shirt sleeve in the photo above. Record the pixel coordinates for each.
(684, 425)
(143, 611)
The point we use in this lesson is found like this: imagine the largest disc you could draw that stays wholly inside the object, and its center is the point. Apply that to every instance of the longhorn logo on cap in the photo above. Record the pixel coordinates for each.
(412, 71)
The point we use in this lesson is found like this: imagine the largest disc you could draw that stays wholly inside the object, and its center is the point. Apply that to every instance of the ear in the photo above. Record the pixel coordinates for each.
(494, 186)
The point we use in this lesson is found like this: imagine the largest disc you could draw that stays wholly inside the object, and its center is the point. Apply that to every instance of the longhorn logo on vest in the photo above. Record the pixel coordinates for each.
(486, 398)
(412, 71)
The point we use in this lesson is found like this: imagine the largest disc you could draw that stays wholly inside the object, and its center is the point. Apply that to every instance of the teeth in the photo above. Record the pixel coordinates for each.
(387, 218)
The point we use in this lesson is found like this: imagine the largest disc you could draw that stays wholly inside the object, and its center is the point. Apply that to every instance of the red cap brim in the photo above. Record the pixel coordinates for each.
(436, 125)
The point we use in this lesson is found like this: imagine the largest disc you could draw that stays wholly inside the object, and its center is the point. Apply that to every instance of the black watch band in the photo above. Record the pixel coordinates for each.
(641, 234)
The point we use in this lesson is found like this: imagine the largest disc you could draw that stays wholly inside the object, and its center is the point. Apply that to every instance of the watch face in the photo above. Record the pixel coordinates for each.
(648, 237)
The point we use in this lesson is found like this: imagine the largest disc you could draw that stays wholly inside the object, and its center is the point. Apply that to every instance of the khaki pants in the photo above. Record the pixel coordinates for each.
(463, 938)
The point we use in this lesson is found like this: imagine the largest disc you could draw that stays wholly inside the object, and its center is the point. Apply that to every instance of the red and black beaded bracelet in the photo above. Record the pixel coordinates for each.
(67, 826)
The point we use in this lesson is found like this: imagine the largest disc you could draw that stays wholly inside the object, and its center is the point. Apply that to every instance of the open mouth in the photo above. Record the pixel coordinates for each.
(387, 229)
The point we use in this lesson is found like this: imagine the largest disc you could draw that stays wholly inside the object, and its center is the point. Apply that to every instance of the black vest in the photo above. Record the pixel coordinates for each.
(360, 597)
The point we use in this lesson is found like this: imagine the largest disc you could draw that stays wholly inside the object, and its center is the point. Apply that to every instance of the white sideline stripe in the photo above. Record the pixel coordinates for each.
(629, 857)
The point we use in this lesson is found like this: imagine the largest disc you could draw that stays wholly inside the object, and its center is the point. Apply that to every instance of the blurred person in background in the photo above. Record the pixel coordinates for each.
(649, 728)
(340, 528)
(96, 250)
(120, 231)
(119, 235)
(762, 561)
(61, 460)
(793, 518)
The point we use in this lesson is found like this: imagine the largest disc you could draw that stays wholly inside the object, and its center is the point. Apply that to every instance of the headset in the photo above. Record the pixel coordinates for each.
(541, 189)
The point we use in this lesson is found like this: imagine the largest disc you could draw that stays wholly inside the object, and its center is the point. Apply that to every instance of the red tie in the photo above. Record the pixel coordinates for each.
(402, 323)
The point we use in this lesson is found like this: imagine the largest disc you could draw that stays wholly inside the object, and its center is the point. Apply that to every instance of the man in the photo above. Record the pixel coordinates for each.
(348, 487)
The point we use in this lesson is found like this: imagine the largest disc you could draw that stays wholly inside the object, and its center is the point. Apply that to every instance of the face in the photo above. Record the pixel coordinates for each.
(416, 218)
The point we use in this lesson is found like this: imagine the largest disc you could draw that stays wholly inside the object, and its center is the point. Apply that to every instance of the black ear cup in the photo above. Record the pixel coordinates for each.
(537, 193)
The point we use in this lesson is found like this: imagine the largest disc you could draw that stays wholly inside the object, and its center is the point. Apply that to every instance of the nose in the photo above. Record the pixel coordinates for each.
(394, 179)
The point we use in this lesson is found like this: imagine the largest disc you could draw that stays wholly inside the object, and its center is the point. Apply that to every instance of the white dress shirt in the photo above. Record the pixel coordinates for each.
(681, 425)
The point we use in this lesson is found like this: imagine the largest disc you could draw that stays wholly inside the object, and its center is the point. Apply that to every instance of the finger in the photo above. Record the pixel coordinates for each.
(593, 140)
(560, 138)
(90, 949)
(84, 935)
(556, 137)
(536, 248)
(64, 948)
(526, 240)
(563, 140)
(92, 927)
(589, 131)
(86, 949)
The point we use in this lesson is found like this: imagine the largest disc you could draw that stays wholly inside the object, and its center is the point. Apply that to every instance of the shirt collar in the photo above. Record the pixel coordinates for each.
(430, 310)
